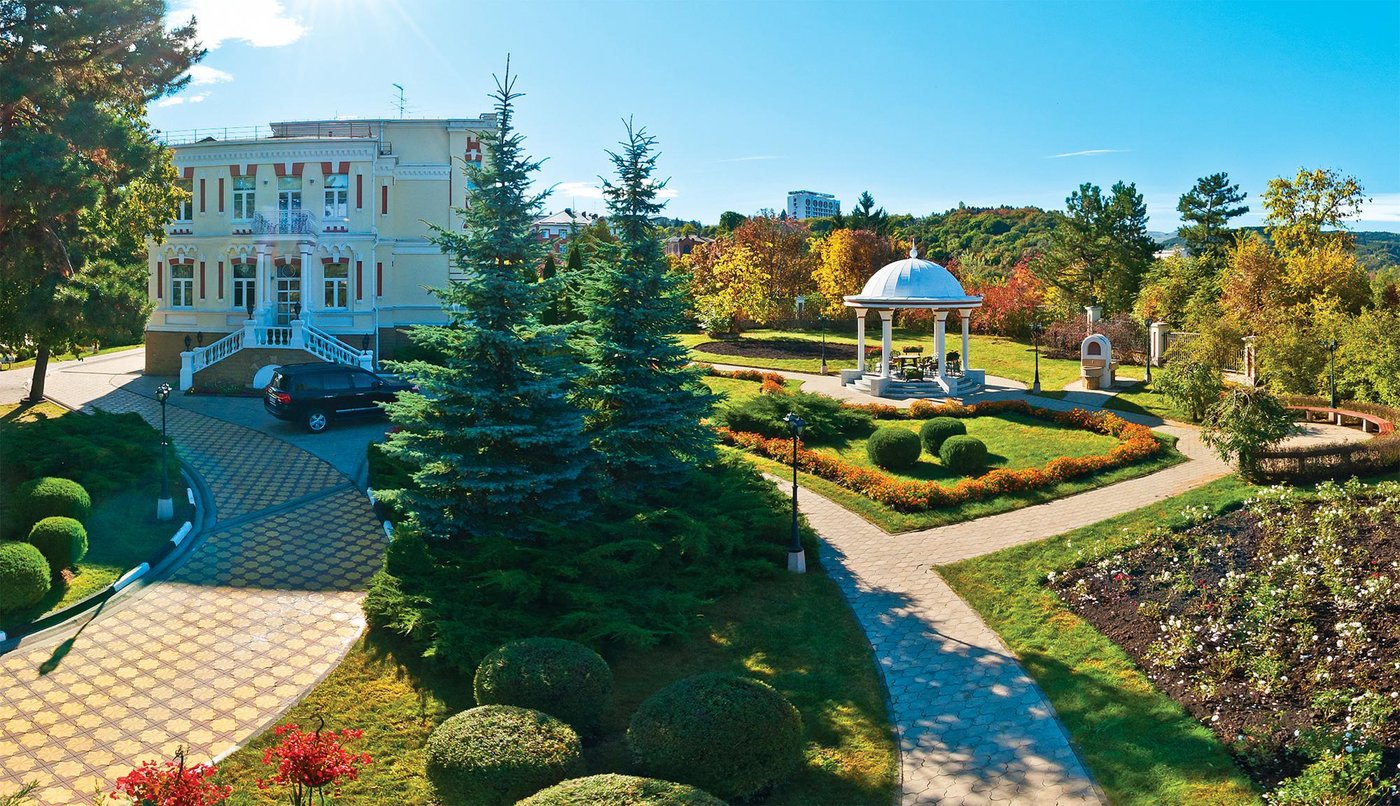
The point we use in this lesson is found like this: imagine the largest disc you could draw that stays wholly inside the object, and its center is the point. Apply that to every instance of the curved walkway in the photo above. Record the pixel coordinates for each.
(972, 726)
(265, 606)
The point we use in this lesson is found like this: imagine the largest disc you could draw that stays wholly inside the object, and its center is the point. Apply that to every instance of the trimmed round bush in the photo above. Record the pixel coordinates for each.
(564, 679)
(893, 447)
(498, 754)
(49, 497)
(621, 790)
(731, 736)
(24, 576)
(964, 455)
(934, 432)
(62, 541)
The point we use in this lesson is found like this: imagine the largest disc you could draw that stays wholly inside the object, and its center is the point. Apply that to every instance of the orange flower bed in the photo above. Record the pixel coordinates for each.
(758, 375)
(1136, 442)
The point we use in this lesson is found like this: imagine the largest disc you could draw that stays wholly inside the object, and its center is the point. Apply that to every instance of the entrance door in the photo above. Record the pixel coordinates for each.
(288, 292)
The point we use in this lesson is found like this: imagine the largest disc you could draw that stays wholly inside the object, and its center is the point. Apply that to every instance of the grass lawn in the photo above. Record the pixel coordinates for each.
(1139, 744)
(795, 632)
(893, 521)
(29, 362)
(735, 390)
(998, 355)
(122, 531)
(1014, 441)
(1138, 399)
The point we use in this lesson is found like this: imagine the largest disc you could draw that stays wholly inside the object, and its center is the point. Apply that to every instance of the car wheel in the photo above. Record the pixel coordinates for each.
(316, 421)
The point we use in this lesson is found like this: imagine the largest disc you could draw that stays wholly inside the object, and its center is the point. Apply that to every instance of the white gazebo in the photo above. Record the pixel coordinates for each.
(913, 283)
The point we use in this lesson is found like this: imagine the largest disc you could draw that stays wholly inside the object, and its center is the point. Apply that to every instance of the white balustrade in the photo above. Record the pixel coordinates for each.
(297, 336)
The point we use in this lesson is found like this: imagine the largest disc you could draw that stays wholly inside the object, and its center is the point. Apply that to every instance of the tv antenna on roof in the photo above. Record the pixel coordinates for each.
(400, 89)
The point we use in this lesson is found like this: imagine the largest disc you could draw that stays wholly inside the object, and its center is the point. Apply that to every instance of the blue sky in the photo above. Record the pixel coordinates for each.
(924, 104)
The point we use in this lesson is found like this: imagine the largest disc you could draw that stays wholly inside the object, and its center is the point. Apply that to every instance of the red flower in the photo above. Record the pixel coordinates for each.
(308, 763)
(170, 783)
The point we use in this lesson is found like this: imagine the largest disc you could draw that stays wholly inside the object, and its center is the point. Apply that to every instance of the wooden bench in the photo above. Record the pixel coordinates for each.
(1347, 418)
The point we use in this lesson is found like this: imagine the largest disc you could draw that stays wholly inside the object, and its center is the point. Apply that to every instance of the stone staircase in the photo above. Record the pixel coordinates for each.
(897, 389)
(296, 337)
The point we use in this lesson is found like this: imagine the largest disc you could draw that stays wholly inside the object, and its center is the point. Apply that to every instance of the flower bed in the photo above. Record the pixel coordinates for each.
(1136, 442)
(1277, 626)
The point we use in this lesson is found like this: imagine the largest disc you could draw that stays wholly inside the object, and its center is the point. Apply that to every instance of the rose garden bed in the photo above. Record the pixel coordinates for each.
(1276, 626)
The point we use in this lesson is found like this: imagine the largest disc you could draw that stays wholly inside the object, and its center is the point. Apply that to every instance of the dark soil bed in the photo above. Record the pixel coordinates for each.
(778, 348)
(1251, 621)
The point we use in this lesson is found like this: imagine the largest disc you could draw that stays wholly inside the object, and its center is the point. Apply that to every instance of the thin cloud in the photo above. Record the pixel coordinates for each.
(176, 100)
(1381, 207)
(1092, 152)
(260, 23)
(752, 159)
(591, 190)
(204, 74)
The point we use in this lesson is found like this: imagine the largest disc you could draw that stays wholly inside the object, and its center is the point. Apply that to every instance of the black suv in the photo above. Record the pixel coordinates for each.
(315, 393)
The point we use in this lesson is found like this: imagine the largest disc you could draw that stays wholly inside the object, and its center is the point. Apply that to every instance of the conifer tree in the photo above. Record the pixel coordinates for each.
(496, 445)
(644, 403)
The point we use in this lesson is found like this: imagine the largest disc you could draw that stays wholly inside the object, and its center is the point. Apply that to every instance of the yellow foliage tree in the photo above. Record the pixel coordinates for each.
(1328, 271)
(728, 282)
(1306, 212)
(845, 260)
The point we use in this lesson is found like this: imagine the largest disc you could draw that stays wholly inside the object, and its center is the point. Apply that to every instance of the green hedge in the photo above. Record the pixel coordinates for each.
(102, 452)
(934, 432)
(964, 454)
(826, 418)
(621, 790)
(564, 679)
(498, 754)
(893, 447)
(732, 736)
(50, 496)
(62, 541)
(24, 576)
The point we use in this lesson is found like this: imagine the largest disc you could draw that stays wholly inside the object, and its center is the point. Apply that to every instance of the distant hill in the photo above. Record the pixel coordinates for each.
(998, 235)
(1374, 250)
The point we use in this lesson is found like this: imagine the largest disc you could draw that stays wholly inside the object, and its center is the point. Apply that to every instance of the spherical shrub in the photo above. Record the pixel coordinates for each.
(50, 496)
(24, 576)
(562, 678)
(963, 454)
(620, 790)
(62, 541)
(498, 754)
(731, 736)
(934, 432)
(893, 447)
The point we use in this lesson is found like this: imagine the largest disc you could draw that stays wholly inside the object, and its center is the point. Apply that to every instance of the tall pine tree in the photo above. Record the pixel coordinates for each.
(1206, 210)
(644, 403)
(496, 444)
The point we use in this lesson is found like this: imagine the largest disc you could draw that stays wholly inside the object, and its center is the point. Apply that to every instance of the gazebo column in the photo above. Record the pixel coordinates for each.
(939, 341)
(860, 340)
(886, 318)
(966, 318)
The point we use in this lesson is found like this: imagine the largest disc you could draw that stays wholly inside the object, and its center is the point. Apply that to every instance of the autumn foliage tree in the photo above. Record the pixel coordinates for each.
(844, 260)
(1309, 210)
(1009, 306)
(779, 248)
(727, 283)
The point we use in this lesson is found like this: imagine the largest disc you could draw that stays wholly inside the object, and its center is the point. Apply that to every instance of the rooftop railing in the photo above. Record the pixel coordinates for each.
(347, 128)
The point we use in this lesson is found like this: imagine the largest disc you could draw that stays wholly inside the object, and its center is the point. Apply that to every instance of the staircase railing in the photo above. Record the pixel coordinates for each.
(328, 348)
(216, 352)
(297, 336)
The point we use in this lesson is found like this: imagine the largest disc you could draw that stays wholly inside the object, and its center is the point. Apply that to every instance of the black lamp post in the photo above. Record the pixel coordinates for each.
(797, 558)
(296, 310)
(1036, 329)
(188, 342)
(1147, 360)
(165, 506)
(250, 306)
(821, 320)
(1332, 369)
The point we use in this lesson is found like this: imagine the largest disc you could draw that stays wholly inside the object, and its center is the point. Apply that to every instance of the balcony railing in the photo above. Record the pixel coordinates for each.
(284, 222)
(356, 129)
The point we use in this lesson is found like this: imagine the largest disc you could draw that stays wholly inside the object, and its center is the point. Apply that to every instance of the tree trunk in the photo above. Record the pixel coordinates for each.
(41, 367)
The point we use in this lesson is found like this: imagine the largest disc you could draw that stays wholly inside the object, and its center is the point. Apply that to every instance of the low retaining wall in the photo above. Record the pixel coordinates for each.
(1377, 456)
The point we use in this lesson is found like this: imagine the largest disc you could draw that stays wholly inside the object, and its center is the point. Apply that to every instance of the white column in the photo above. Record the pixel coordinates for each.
(885, 336)
(860, 340)
(966, 318)
(940, 342)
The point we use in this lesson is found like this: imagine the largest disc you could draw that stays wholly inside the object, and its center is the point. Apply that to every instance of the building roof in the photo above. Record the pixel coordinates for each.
(566, 218)
(913, 283)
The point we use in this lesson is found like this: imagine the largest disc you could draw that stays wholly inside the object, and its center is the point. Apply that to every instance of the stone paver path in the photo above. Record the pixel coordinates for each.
(264, 607)
(973, 727)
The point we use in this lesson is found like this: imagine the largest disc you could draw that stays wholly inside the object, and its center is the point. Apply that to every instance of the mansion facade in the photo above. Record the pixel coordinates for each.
(308, 235)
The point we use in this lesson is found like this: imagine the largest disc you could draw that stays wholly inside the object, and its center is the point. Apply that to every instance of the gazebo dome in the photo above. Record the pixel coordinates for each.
(913, 283)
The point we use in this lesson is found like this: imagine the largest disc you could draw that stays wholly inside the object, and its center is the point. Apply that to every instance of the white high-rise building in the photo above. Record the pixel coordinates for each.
(808, 204)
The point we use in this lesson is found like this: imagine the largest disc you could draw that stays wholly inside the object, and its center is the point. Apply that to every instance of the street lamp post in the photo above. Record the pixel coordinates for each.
(797, 558)
(1332, 369)
(165, 506)
(821, 319)
(1036, 329)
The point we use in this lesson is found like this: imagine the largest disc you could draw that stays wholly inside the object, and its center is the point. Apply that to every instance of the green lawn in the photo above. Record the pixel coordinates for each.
(736, 390)
(893, 521)
(1139, 399)
(29, 362)
(1139, 744)
(795, 632)
(122, 531)
(1014, 441)
(998, 355)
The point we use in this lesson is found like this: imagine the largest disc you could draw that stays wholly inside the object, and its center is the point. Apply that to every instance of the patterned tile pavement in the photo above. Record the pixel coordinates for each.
(973, 727)
(266, 605)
